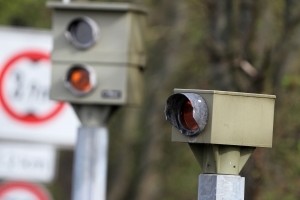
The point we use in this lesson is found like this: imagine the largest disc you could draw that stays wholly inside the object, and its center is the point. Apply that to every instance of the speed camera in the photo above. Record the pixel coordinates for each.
(98, 52)
(222, 128)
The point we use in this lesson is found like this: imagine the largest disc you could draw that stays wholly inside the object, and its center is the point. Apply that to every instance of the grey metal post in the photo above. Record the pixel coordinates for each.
(221, 187)
(90, 169)
(66, 1)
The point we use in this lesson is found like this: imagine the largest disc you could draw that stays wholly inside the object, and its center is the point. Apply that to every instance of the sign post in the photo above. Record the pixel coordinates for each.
(90, 169)
(90, 164)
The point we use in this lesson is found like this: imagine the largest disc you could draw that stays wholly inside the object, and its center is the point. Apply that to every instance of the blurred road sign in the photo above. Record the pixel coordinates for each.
(29, 162)
(23, 191)
(26, 113)
(23, 90)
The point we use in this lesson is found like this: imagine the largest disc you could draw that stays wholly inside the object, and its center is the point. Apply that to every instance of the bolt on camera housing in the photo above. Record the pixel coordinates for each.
(222, 128)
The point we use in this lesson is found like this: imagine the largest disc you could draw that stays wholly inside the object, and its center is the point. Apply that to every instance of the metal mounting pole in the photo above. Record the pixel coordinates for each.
(89, 175)
(221, 187)
(66, 1)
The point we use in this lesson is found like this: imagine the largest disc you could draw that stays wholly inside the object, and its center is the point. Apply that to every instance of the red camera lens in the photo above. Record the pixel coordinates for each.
(186, 116)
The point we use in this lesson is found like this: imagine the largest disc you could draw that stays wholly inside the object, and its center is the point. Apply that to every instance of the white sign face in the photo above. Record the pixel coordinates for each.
(26, 113)
(23, 191)
(30, 162)
(19, 194)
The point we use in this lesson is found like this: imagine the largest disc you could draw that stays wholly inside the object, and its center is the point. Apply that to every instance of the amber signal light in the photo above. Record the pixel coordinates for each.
(80, 80)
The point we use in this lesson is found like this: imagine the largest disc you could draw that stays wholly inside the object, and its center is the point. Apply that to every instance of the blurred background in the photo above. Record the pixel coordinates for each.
(235, 45)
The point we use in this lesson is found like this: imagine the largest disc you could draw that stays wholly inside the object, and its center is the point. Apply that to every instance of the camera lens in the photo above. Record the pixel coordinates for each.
(186, 116)
(82, 32)
(188, 112)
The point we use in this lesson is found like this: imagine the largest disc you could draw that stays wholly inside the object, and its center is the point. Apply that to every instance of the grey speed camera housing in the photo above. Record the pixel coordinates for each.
(222, 128)
(106, 39)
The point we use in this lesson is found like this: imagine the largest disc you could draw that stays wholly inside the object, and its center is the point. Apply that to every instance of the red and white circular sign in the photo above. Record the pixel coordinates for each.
(23, 191)
(26, 113)
(24, 90)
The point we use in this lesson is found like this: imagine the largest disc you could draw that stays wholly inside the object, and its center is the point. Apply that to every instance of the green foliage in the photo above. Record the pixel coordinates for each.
(291, 81)
(31, 13)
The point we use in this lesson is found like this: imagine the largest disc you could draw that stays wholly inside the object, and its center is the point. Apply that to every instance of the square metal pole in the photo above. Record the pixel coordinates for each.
(221, 187)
